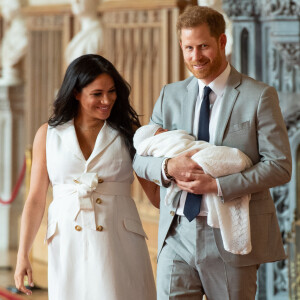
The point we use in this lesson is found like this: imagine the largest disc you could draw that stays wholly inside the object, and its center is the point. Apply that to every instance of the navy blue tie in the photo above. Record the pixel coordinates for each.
(193, 202)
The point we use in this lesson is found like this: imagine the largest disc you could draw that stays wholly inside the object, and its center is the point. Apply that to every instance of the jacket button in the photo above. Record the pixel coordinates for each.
(78, 228)
(172, 213)
(98, 200)
(100, 180)
(99, 228)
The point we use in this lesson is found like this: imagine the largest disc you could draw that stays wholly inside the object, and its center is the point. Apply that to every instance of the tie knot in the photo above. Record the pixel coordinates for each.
(207, 91)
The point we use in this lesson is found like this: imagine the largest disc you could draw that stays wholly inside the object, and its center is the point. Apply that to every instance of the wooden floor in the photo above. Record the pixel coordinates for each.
(7, 266)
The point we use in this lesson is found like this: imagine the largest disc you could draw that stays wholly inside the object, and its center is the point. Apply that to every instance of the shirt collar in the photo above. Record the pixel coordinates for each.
(218, 85)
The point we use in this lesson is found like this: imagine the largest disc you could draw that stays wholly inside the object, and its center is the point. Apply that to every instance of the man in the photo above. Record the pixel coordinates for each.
(241, 113)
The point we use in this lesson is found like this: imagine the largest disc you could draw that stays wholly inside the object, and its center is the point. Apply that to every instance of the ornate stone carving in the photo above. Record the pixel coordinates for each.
(290, 52)
(275, 71)
(250, 8)
(237, 8)
(281, 8)
(292, 122)
(261, 293)
(276, 34)
(284, 65)
(280, 268)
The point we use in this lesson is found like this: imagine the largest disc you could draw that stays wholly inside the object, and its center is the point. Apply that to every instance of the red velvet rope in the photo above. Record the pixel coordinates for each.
(17, 186)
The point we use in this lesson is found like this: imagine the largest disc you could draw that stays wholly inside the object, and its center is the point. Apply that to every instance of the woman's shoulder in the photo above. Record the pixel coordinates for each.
(40, 137)
(47, 129)
(42, 131)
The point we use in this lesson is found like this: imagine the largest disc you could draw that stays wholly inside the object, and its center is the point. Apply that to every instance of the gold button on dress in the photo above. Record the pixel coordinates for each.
(99, 228)
(78, 228)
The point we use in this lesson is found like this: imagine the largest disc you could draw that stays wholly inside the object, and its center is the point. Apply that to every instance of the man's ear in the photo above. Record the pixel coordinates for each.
(223, 41)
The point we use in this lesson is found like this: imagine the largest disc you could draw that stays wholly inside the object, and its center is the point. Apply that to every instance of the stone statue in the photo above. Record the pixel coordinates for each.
(14, 42)
(89, 39)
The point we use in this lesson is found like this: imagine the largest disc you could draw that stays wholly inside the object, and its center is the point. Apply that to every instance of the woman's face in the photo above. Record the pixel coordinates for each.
(97, 99)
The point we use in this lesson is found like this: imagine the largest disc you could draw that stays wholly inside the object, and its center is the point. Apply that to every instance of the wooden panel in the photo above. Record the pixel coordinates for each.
(48, 37)
(49, 31)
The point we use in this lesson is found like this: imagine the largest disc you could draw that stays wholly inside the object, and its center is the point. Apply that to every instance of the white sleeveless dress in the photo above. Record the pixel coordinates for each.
(96, 242)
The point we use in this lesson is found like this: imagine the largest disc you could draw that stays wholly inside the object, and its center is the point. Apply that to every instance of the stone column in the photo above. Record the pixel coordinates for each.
(11, 160)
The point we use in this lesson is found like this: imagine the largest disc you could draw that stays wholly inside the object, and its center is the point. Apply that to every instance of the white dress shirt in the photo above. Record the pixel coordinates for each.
(215, 98)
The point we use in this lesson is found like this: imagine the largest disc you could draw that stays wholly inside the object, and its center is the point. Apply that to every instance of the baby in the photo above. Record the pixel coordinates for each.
(231, 217)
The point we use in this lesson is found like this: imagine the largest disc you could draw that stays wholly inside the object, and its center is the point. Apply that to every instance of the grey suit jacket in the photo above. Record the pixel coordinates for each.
(251, 121)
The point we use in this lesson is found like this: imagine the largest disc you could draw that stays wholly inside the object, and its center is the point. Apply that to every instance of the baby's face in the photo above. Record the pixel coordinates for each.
(160, 130)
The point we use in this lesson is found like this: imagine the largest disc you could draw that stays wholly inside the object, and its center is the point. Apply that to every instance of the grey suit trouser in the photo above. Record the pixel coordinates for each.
(189, 266)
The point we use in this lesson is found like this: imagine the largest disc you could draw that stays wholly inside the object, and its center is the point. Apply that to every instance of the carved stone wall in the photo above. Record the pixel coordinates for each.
(267, 47)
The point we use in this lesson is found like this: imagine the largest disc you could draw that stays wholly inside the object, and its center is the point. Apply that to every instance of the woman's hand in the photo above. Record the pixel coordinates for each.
(33, 210)
(23, 268)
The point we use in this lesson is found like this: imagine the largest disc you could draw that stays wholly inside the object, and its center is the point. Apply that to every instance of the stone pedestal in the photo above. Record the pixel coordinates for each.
(11, 160)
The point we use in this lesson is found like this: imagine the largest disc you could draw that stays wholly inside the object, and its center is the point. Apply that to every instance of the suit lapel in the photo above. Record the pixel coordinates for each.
(226, 107)
(188, 106)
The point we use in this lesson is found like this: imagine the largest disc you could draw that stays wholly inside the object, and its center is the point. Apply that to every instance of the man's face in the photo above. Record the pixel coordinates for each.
(204, 55)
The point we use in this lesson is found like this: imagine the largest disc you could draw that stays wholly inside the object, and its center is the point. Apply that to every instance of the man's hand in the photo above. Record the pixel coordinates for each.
(189, 176)
(183, 167)
(203, 184)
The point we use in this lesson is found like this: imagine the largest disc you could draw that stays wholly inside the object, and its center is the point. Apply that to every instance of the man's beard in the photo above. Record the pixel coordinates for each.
(211, 68)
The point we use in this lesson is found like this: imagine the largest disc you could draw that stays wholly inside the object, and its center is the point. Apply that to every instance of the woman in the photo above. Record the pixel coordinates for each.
(96, 243)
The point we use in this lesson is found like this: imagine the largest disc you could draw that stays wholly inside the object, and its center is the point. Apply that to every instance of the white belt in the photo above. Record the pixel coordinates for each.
(82, 191)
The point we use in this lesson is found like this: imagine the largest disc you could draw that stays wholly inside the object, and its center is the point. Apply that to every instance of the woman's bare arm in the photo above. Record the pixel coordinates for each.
(33, 209)
(152, 191)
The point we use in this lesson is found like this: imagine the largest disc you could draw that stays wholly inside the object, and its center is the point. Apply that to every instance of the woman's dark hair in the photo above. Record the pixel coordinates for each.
(81, 72)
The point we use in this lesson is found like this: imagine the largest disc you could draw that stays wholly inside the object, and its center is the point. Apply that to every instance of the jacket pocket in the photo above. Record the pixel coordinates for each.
(239, 127)
(51, 231)
(135, 227)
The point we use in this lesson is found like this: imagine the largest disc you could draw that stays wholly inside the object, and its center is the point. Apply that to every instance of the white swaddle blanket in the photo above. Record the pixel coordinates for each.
(231, 217)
